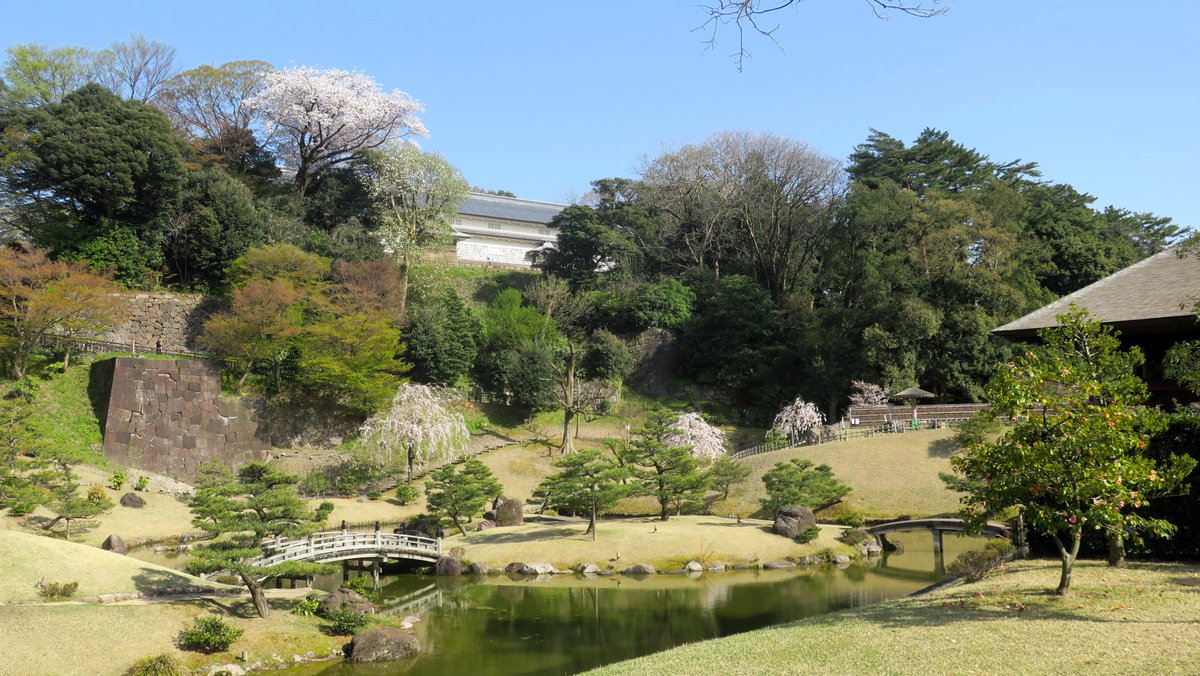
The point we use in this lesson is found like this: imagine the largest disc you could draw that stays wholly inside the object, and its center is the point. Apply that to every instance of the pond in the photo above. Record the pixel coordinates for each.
(567, 624)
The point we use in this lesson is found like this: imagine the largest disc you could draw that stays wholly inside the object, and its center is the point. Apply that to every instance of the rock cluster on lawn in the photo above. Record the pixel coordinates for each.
(381, 644)
(346, 599)
(794, 520)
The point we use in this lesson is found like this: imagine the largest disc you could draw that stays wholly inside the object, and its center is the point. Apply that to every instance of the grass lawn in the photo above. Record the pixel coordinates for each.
(667, 544)
(1116, 621)
(28, 558)
(889, 474)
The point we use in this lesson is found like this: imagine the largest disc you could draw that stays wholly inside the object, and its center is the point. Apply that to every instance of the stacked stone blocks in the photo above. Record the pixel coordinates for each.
(168, 416)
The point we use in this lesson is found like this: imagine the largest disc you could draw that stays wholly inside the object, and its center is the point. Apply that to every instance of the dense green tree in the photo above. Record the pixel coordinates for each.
(589, 482)
(1072, 461)
(461, 495)
(34, 74)
(243, 513)
(215, 222)
(588, 243)
(798, 482)
(93, 164)
(442, 338)
(513, 353)
(353, 359)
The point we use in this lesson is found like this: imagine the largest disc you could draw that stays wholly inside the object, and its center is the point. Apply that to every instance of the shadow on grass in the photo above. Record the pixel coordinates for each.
(547, 533)
(943, 448)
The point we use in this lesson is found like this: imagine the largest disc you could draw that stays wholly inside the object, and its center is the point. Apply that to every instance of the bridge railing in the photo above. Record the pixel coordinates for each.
(332, 542)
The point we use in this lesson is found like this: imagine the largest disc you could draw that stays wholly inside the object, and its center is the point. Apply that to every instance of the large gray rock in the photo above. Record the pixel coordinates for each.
(509, 511)
(778, 565)
(449, 565)
(114, 543)
(589, 568)
(514, 567)
(538, 569)
(485, 524)
(639, 569)
(133, 500)
(694, 567)
(794, 520)
(346, 599)
(382, 644)
(477, 568)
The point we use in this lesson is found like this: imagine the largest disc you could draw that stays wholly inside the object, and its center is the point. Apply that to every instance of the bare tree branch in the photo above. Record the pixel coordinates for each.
(750, 15)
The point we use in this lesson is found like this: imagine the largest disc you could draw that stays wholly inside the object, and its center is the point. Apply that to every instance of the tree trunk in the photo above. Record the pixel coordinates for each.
(592, 522)
(568, 444)
(458, 525)
(66, 357)
(1116, 549)
(256, 594)
(665, 513)
(242, 380)
(1068, 561)
(401, 289)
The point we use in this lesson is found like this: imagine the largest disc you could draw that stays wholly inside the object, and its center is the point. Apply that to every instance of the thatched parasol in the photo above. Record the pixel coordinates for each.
(912, 394)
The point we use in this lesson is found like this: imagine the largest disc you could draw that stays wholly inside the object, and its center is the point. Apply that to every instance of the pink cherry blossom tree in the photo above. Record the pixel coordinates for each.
(798, 418)
(320, 118)
(419, 429)
(707, 441)
(867, 394)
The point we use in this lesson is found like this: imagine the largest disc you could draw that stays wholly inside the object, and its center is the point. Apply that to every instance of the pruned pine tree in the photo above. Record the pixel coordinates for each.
(243, 513)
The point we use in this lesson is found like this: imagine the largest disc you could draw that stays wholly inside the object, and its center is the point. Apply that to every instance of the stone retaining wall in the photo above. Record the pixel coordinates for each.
(168, 416)
(146, 318)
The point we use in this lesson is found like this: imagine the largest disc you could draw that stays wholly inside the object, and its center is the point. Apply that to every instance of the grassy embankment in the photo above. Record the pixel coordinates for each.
(1136, 620)
(85, 638)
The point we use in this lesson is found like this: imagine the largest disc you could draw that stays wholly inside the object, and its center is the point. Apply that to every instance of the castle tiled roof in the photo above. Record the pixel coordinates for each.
(1155, 294)
(509, 208)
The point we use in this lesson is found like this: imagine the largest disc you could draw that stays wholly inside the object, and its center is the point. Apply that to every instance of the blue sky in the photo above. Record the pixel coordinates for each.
(540, 97)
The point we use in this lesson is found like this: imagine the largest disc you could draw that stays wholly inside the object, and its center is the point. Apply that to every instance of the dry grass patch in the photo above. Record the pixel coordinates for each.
(666, 544)
(1136, 620)
(28, 558)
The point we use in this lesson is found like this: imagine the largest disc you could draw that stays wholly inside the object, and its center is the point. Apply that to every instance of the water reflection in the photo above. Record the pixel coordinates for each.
(567, 624)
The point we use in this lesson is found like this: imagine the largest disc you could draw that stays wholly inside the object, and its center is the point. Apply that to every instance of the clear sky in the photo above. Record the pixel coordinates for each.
(541, 97)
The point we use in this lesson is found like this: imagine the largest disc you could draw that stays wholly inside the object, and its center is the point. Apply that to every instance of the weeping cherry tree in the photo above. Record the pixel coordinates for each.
(798, 418)
(707, 441)
(418, 429)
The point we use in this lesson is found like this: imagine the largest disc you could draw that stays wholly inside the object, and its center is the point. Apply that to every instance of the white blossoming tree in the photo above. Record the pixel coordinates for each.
(417, 193)
(867, 394)
(798, 418)
(707, 441)
(418, 430)
(320, 118)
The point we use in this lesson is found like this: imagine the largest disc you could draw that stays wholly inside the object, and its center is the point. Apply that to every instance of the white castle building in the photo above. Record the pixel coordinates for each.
(506, 231)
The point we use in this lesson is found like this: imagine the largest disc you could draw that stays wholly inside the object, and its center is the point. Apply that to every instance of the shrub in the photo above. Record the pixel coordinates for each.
(406, 493)
(809, 534)
(159, 665)
(974, 566)
(306, 606)
(855, 537)
(852, 519)
(57, 591)
(142, 483)
(345, 622)
(315, 484)
(117, 480)
(374, 494)
(209, 635)
(97, 495)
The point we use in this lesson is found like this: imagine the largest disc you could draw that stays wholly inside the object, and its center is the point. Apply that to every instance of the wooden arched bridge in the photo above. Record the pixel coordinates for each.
(347, 545)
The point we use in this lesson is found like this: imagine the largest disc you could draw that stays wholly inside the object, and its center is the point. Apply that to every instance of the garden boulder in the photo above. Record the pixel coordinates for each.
(114, 543)
(449, 565)
(794, 520)
(346, 599)
(508, 511)
(382, 644)
(133, 500)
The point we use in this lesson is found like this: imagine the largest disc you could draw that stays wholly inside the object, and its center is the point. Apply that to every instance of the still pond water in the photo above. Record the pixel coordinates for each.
(566, 624)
